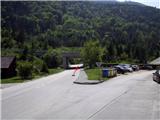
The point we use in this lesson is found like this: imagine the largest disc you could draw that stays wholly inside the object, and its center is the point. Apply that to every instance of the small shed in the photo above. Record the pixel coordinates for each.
(8, 66)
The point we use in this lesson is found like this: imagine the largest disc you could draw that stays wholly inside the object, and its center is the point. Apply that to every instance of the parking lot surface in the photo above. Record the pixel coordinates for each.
(132, 96)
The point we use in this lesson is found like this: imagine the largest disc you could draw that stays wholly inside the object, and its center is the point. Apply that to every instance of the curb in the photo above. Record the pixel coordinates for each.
(88, 83)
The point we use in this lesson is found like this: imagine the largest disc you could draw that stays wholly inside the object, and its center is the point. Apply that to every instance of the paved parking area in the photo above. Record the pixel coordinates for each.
(132, 96)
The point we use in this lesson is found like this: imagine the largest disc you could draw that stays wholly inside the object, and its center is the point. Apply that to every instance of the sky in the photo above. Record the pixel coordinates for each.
(153, 3)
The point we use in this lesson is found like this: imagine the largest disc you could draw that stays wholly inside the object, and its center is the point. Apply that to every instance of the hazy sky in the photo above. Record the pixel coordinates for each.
(154, 3)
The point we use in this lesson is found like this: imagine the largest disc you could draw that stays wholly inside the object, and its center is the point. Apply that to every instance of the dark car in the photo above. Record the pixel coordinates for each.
(156, 76)
(135, 67)
(147, 67)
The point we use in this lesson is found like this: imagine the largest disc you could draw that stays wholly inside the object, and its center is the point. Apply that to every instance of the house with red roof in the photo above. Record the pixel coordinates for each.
(8, 66)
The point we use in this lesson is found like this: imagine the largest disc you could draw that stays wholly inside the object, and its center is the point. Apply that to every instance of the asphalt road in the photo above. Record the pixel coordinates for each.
(132, 96)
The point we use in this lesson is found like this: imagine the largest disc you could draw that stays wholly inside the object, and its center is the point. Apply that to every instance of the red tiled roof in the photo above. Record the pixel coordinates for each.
(6, 61)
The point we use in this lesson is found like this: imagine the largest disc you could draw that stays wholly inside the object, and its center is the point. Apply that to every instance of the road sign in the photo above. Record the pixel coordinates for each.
(98, 64)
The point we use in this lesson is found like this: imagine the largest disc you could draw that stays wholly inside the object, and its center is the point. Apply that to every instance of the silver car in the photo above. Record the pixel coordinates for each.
(127, 67)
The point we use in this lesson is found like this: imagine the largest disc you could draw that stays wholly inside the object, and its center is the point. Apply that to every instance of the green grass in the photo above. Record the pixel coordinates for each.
(95, 74)
(17, 79)
(57, 70)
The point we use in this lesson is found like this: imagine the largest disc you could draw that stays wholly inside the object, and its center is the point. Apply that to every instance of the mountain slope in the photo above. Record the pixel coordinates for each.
(130, 30)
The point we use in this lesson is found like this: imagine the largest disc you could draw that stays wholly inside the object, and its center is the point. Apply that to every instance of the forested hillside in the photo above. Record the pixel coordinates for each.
(125, 30)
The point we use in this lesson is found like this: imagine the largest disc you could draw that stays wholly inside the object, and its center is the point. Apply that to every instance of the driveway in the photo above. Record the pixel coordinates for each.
(132, 96)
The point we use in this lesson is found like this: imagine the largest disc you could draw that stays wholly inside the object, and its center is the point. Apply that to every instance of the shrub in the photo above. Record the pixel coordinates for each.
(25, 70)
(44, 68)
(92, 53)
(37, 65)
(52, 58)
(25, 53)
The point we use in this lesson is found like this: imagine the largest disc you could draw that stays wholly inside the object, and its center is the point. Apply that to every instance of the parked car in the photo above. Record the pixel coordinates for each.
(120, 69)
(147, 67)
(156, 76)
(135, 67)
(127, 67)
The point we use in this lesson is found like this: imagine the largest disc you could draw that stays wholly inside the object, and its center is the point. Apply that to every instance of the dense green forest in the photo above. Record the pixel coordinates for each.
(125, 30)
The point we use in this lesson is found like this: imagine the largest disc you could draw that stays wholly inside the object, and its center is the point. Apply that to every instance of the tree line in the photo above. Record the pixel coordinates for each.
(125, 31)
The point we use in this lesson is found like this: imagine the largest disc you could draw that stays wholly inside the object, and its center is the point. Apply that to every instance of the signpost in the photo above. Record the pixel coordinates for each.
(99, 64)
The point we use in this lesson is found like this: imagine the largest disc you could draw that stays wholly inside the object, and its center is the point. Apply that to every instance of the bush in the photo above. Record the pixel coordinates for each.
(25, 53)
(52, 58)
(25, 70)
(92, 53)
(44, 68)
(37, 65)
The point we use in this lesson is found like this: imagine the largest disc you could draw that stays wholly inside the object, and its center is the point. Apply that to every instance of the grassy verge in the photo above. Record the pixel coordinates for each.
(95, 74)
(17, 79)
(53, 71)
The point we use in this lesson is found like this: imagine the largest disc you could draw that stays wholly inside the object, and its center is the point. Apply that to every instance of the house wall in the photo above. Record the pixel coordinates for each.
(9, 72)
